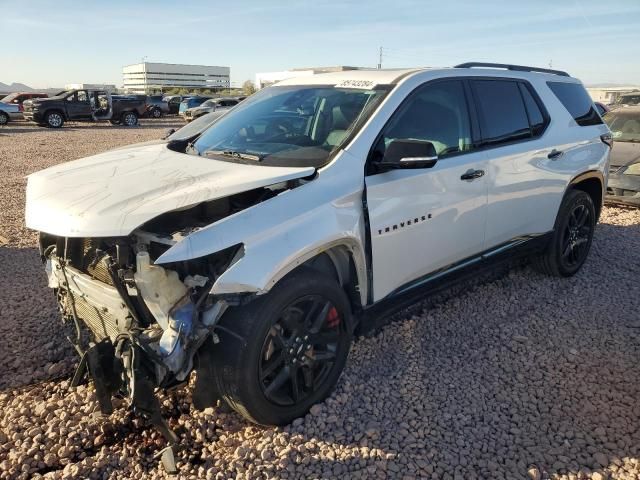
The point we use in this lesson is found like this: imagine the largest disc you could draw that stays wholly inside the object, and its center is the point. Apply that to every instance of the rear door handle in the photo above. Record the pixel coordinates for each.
(555, 154)
(471, 174)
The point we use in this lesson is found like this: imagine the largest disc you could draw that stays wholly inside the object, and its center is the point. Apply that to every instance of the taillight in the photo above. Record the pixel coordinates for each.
(607, 139)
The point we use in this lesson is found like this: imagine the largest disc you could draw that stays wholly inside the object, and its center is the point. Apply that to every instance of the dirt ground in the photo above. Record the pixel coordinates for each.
(523, 377)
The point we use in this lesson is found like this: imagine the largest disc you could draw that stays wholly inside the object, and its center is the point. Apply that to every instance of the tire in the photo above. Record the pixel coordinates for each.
(156, 113)
(129, 119)
(256, 377)
(54, 119)
(572, 236)
(4, 118)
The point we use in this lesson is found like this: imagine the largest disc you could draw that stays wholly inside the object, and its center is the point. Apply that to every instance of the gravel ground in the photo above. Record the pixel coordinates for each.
(521, 377)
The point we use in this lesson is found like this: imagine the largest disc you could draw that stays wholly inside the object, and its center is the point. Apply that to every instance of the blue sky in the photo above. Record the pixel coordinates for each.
(50, 43)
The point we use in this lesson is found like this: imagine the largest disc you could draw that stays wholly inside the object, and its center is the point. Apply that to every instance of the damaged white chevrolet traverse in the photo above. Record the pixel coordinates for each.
(250, 251)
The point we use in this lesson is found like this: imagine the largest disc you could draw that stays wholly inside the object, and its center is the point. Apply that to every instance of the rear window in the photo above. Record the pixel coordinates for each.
(503, 117)
(577, 102)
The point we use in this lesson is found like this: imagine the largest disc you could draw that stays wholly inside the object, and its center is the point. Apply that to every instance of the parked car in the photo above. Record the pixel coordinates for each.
(629, 98)
(174, 103)
(253, 250)
(211, 105)
(18, 98)
(191, 102)
(156, 106)
(8, 112)
(624, 171)
(84, 106)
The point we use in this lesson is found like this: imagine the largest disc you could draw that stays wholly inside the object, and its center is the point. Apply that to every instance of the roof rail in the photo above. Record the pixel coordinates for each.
(519, 68)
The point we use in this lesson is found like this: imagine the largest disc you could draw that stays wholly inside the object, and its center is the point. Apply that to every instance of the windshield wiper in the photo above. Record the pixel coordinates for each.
(231, 153)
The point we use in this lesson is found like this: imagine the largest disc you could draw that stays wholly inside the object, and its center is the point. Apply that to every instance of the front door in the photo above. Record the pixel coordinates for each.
(78, 105)
(424, 220)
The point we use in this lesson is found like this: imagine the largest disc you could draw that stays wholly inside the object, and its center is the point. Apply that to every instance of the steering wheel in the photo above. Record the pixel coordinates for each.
(278, 128)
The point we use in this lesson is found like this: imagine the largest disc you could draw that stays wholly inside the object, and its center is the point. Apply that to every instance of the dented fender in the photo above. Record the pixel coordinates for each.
(281, 233)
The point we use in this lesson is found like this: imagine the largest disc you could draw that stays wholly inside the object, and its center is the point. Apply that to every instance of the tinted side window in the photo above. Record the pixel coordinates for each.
(503, 117)
(577, 101)
(436, 112)
(536, 117)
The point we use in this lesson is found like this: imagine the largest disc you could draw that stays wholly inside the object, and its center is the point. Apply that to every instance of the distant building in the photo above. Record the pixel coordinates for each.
(159, 77)
(610, 95)
(269, 78)
(90, 86)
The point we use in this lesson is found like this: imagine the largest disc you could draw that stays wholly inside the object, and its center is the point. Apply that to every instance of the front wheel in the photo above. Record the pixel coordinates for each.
(296, 340)
(156, 113)
(4, 118)
(54, 119)
(572, 236)
(129, 119)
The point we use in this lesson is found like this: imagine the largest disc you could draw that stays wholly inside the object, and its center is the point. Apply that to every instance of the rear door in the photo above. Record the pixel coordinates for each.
(423, 220)
(530, 161)
(512, 120)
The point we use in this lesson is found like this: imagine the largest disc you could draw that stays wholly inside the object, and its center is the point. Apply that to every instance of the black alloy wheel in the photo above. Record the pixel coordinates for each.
(576, 236)
(283, 351)
(572, 236)
(300, 350)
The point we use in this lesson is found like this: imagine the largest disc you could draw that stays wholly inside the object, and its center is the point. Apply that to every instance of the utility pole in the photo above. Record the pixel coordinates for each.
(380, 59)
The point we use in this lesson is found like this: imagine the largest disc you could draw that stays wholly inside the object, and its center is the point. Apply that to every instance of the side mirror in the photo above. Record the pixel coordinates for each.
(405, 153)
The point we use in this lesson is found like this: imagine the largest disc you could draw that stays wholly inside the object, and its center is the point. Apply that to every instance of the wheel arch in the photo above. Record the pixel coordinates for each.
(592, 183)
(341, 259)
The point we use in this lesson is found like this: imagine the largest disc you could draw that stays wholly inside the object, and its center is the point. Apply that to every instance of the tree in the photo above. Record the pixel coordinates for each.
(248, 88)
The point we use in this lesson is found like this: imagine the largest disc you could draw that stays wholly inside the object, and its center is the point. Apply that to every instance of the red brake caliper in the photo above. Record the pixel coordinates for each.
(333, 319)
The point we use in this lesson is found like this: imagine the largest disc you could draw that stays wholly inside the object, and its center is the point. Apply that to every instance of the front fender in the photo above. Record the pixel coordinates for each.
(283, 232)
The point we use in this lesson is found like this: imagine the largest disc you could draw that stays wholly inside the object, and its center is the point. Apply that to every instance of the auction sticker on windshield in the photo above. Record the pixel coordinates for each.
(364, 84)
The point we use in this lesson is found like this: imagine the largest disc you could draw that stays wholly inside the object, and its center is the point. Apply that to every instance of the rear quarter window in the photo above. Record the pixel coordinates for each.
(577, 102)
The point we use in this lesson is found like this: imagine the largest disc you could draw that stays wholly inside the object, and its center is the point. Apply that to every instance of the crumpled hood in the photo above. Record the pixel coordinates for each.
(624, 153)
(115, 192)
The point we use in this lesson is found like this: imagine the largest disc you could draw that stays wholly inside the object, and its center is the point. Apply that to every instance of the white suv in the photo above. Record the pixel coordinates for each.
(252, 250)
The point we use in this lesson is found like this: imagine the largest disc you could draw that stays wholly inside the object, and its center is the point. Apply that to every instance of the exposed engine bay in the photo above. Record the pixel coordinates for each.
(138, 325)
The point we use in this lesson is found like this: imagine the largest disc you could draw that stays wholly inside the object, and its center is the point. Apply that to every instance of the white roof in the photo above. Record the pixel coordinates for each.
(373, 77)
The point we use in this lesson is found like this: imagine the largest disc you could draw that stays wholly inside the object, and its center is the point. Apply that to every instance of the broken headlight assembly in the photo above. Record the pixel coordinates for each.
(138, 325)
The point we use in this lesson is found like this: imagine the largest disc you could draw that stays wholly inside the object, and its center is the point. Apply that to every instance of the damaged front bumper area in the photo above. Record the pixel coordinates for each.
(138, 325)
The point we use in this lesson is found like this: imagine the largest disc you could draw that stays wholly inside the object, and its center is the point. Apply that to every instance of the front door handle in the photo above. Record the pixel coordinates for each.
(471, 174)
(555, 154)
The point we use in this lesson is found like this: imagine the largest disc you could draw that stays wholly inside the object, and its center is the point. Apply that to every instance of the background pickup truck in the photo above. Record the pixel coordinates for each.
(84, 106)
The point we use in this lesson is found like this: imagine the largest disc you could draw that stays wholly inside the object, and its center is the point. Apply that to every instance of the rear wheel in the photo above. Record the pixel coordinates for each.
(4, 118)
(572, 236)
(129, 119)
(297, 340)
(54, 119)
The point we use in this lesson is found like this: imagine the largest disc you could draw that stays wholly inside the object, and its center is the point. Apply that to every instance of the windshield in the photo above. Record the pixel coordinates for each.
(624, 125)
(289, 126)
